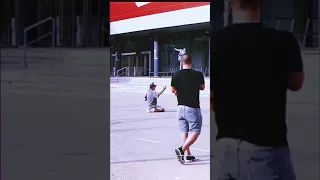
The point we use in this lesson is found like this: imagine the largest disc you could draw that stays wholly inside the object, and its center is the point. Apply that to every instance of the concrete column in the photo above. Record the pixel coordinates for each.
(78, 31)
(118, 49)
(209, 58)
(137, 66)
(317, 9)
(129, 64)
(116, 63)
(155, 58)
(145, 58)
(13, 32)
(226, 13)
(58, 30)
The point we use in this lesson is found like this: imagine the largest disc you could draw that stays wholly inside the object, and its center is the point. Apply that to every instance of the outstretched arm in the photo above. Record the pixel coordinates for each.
(164, 88)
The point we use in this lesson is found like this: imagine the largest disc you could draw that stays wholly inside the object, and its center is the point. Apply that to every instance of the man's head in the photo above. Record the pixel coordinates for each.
(153, 86)
(186, 61)
(246, 10)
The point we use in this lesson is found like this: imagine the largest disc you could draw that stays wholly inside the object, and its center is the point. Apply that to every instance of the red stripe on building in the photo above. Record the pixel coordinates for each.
(127, 10)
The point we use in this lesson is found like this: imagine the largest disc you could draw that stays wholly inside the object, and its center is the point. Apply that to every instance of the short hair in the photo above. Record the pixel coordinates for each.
(248, 4)
(186, 59)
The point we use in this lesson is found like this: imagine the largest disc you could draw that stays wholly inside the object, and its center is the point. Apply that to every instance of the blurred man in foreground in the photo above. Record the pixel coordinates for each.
(252, 67)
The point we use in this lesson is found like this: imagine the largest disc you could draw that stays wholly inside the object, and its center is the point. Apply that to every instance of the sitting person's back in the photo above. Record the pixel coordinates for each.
(152, 98)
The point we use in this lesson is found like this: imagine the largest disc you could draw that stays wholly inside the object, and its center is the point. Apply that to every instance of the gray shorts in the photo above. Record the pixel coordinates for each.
(189, 119)
(243, 160)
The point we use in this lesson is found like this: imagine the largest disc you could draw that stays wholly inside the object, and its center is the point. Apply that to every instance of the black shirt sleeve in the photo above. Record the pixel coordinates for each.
(173, 81)
(293, 55)
(201, 78)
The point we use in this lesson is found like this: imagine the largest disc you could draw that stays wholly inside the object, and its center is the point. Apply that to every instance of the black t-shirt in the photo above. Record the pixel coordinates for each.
(250, 68)
(187, 83)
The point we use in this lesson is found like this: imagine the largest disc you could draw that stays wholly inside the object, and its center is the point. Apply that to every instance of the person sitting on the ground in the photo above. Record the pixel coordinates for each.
(151, 97)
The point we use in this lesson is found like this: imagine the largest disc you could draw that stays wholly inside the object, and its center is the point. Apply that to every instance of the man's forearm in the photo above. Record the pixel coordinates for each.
(161, 92)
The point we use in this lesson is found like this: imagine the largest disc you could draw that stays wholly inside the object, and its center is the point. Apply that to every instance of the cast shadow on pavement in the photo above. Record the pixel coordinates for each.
(129, 109)
(141, 129)
(129, 120)
(170, 110)
(151, 128)
(197, 162)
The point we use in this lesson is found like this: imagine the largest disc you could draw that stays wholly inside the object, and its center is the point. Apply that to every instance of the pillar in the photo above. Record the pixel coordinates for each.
(155, 58)
(137, 68)
(78, 31)
(226, 14)
(58, 31)
(300, 18)
(209, 58)
(145, 67)
(117, 62)
(317, 9)
(128, 59)
(13, 32)
(118, 50)
(217, 14)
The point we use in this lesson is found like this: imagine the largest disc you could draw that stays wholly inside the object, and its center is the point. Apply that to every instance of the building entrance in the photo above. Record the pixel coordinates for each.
(132, 64)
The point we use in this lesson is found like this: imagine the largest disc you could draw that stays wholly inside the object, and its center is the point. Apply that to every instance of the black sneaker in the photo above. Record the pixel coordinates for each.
(180, 155)
(190, 158)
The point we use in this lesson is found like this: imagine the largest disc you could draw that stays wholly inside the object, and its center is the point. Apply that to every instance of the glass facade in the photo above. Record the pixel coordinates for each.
(129, 48)
(195, 43)
(77, 23)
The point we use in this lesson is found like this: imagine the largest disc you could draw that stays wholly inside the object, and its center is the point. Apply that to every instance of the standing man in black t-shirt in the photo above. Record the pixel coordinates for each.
(252, 67)
(186, 85)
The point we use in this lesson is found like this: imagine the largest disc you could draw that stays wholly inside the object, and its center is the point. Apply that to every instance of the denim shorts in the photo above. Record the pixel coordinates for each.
(189, 119)
(242, 160)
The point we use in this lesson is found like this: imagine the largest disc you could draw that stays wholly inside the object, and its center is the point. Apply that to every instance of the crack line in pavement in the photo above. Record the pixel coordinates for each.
(157, 142)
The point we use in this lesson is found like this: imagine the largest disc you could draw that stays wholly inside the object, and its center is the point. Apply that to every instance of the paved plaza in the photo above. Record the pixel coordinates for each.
(50, 137)
(142, 144)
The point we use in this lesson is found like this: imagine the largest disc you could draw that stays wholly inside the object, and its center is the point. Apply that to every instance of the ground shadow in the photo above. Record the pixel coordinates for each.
(197, 162)
(151, 128)
(140, 120)
(139, 129)
(171, 110)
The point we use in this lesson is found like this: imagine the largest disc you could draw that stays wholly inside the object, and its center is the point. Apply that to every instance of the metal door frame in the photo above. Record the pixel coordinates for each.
(132, 54)
(128, 54)
(149, 53)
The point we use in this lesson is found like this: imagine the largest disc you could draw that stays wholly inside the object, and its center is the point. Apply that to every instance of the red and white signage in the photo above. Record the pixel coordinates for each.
(138, 16)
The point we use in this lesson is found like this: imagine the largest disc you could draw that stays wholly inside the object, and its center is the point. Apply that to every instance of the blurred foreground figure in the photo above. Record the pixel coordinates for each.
(252, 67)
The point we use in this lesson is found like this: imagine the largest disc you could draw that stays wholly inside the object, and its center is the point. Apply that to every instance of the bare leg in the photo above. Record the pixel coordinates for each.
(190, 140)
(184, 137)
